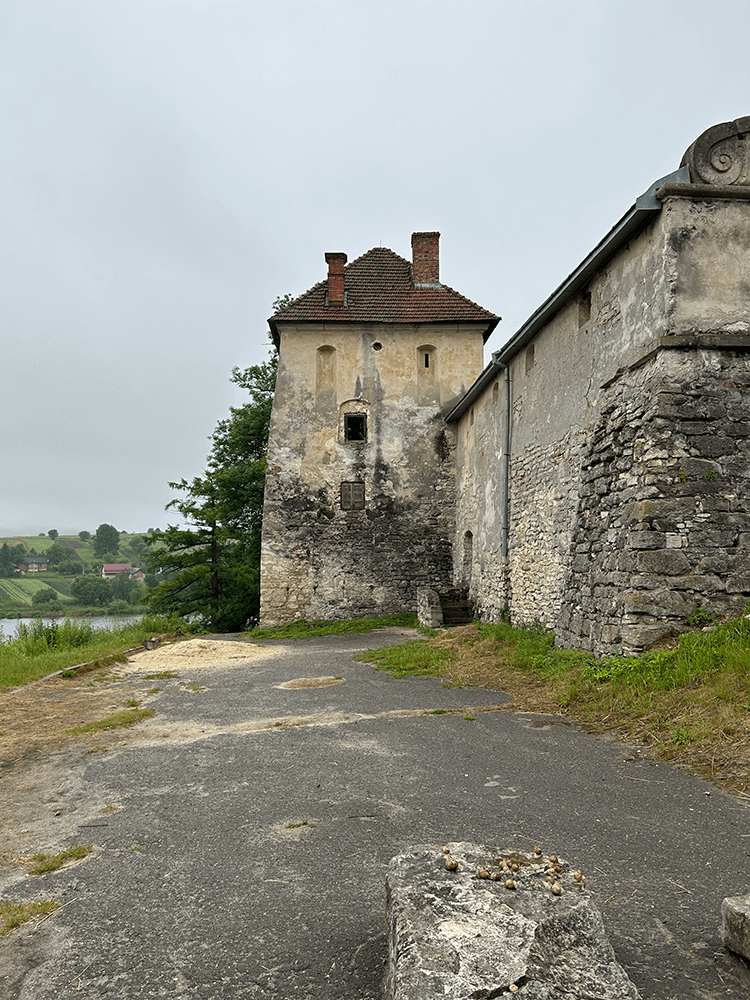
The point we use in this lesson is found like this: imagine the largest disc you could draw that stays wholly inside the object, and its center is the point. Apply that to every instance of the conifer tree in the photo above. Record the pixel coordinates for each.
(209, 564)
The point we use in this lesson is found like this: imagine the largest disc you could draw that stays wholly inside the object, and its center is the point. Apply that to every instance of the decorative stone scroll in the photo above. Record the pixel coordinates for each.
(721, 155)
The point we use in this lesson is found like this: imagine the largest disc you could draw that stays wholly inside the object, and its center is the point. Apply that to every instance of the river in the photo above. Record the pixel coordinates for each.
(8, 626)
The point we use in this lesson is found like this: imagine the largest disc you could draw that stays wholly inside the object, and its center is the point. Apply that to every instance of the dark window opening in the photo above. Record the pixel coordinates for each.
(427, 360)
(355, 427)
(352, 496)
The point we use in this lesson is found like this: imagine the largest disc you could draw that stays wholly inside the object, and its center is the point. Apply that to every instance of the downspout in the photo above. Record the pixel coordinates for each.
(506, 462)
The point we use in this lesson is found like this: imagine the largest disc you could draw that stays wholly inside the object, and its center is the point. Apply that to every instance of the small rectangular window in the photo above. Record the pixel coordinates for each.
(355, 427)
(352, 496)
(427, 360)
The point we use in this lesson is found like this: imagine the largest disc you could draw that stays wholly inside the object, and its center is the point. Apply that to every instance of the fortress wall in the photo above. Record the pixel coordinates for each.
(634, 393)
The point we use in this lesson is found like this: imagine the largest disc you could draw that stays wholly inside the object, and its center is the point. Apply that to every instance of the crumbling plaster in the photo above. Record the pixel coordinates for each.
(319, 560)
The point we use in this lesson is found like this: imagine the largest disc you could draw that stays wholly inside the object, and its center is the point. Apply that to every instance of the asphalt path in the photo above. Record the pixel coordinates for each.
(249, 860)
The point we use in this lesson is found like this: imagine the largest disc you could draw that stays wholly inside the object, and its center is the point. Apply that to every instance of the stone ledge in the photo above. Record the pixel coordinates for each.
(716, 340)
(462, 934)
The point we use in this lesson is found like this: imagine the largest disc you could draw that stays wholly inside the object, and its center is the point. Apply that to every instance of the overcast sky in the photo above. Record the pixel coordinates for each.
(170, 167)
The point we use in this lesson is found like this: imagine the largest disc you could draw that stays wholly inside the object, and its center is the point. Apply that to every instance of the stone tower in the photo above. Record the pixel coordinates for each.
(359, 505)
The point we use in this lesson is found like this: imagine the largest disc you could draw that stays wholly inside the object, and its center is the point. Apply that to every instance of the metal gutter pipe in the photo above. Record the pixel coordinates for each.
(506, 463)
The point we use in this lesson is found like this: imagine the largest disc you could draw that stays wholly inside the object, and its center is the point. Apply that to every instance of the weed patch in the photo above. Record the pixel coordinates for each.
(13, 915)
(51, 862)
(128, 718)
(421, 657)
(40, 649)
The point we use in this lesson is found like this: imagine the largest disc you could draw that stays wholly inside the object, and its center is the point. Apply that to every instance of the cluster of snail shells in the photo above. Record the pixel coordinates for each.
(551, 870)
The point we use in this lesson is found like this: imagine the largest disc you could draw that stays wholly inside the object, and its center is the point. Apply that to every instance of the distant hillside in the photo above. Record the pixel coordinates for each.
(17, 592)
(131, 548)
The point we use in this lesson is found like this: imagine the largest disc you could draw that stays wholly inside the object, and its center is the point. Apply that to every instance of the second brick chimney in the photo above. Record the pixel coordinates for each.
(336, 262)
(425, 253)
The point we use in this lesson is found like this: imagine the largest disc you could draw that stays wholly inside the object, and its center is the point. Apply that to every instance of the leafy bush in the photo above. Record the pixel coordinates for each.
(44, 598)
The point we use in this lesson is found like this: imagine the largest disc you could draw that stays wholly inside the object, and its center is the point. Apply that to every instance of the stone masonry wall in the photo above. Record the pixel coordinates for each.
(544, 501)
(354, 563)
(663, 521)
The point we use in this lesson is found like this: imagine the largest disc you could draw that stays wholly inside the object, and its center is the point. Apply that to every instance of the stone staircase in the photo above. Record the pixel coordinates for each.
(456, 610)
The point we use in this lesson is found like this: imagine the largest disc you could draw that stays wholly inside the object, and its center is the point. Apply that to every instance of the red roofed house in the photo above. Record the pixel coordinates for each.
(112, 570)
(360, 489)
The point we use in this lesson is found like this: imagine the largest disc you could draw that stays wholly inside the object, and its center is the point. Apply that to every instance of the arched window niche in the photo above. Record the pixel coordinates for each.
(325, 370)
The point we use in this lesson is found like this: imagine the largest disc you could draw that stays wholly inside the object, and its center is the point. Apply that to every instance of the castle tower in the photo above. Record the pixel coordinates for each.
(359, 500)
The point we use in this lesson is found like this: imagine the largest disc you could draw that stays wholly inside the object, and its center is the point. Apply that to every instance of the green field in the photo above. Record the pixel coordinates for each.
(16, 593)
(129, 550)
(19, 592)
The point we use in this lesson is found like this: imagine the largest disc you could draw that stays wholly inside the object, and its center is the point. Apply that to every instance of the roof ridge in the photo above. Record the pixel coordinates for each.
(379, 287)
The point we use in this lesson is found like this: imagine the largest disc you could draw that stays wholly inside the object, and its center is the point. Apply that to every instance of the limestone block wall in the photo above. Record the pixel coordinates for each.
(663, 522)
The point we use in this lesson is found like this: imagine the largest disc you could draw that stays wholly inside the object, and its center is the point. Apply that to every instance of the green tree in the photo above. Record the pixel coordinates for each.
(210, 564)
(122, 586)
(63, 559)
(45, 598)
(137, 544)
(53, 533)
(106, 542)
(91, 590)
(84, 535)
(9, 559)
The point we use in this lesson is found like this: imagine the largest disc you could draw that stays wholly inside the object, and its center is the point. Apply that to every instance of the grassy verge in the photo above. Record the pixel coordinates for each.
(39, 650)
(690, 704)
(12, 915)
(306, 630)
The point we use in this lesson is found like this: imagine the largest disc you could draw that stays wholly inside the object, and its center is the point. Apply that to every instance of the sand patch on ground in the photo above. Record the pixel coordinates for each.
(190, 654)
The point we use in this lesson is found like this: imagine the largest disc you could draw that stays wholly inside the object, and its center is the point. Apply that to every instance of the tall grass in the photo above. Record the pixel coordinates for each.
(39, 649)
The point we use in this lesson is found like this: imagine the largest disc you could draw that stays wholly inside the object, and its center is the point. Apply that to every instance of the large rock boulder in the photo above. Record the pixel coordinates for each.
(735, 924)
(488, 929)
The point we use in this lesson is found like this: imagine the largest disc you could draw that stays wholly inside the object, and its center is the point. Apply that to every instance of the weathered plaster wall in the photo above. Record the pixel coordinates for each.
(621, 400)
(320, 561)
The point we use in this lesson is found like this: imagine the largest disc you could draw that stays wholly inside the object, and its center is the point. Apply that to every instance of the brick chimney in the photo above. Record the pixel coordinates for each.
(425, 254)
(336, 262)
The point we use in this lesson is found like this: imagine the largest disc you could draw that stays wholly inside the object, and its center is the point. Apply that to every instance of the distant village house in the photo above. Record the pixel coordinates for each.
(34, 564)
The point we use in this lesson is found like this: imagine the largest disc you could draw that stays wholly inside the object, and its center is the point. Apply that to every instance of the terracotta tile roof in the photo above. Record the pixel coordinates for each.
(379, 289)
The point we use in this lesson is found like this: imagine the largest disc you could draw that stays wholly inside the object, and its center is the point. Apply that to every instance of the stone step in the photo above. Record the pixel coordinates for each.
(457, 613)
